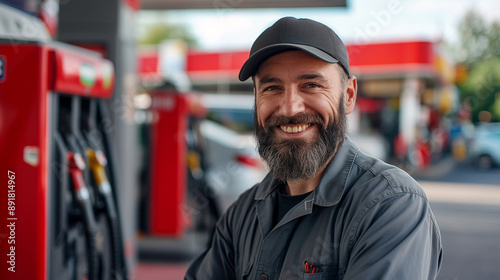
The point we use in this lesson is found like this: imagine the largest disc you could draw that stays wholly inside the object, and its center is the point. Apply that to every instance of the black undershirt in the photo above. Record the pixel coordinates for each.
(286, 202)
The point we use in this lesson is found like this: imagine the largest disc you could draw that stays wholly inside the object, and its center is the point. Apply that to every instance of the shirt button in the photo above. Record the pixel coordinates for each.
(263, 277)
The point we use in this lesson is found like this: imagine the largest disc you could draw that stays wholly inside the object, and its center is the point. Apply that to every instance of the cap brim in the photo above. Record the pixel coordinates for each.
(253, 62)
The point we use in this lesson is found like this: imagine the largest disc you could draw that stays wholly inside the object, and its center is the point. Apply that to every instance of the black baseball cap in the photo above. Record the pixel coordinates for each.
(290, 33)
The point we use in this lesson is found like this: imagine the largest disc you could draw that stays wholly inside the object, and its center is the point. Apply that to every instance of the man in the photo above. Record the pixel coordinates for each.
(326, 210)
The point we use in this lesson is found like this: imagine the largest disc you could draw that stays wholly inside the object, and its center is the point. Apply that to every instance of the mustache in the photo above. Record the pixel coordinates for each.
(300, 118)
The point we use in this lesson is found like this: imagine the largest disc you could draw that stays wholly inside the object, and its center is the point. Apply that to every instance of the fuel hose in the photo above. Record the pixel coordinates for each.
(76, 165)
(97, 162)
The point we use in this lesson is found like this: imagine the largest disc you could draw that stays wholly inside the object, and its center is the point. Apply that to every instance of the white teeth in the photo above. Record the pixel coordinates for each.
(294, 129)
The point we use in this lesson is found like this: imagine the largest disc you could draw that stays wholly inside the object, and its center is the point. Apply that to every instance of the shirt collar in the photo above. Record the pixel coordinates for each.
(267, 186)
(332, 185)
(333, 182)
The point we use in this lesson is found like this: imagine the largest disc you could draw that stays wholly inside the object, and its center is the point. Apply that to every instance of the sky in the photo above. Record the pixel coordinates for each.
(363, 21)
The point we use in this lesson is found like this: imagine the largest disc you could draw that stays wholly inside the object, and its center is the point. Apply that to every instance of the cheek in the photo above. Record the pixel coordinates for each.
(263, 110)
(326, 107)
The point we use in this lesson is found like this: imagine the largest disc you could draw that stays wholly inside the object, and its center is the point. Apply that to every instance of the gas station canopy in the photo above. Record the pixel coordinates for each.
(233, 4)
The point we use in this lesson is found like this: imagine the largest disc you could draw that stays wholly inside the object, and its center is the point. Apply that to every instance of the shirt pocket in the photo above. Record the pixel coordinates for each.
(329, 272)
(314, 276)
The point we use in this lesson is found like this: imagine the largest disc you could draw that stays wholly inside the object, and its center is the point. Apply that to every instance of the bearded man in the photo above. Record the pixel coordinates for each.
(326, 210)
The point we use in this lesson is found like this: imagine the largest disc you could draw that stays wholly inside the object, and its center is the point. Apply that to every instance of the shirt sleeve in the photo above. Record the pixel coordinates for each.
(218, 261)
(396, 237)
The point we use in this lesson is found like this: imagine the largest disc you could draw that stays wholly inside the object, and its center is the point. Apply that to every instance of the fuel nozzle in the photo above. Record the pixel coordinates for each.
(97, 163)
(77, 165)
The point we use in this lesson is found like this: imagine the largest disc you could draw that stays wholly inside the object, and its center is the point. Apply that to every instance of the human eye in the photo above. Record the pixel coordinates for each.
(271, 88)
(312, 85)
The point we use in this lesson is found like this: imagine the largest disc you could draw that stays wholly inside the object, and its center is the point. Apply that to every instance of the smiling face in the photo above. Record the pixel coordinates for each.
(301, 104)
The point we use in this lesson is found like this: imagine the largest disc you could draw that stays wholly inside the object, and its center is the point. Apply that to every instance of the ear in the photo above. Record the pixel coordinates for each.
(350, 94)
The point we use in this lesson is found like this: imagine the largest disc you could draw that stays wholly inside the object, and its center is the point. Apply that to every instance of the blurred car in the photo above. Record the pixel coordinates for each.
(485, 148)
(233, 164)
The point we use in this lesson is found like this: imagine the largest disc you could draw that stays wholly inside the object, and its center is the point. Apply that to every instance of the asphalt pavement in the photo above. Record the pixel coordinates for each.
(466, 203)
(471, 241)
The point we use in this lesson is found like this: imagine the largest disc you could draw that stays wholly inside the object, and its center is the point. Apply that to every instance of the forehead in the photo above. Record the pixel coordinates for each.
(296, 63)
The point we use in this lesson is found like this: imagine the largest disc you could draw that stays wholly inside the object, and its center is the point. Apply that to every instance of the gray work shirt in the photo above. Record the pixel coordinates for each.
(365, 220)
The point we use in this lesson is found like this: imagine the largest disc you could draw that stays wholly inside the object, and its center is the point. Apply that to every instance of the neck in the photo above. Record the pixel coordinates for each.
(302, 186)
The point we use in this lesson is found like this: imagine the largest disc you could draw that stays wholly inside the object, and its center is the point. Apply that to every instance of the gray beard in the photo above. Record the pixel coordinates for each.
(296, 159)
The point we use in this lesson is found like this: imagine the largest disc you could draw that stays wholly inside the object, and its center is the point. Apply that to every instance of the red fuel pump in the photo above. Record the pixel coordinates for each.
(169, 161)
(64, 217)
(178, 210)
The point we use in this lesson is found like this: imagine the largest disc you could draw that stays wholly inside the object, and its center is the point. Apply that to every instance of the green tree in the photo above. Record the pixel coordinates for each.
(478, 49)
(494, 40)
(482, 88)
(156, 33)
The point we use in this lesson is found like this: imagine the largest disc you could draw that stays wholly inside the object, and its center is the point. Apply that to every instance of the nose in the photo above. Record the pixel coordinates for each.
(291, 103)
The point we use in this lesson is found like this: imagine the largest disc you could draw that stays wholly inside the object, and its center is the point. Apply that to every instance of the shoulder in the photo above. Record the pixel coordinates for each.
(380, 191)
(379, 177)
(384, 196)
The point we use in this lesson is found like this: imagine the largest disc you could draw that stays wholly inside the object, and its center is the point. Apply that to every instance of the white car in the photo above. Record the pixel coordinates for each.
(233, 164)
(485, 148)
